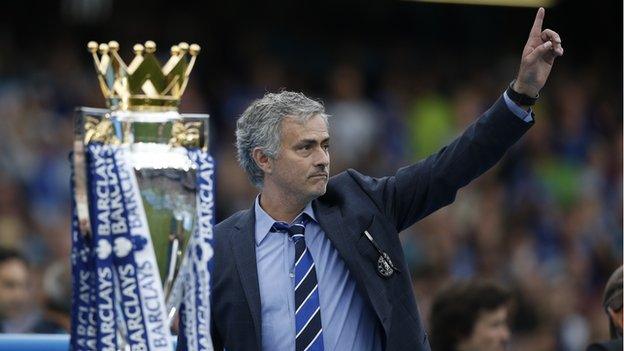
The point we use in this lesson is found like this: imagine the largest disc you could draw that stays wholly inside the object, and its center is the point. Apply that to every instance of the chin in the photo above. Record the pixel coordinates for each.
(318, 190)
(322, 191)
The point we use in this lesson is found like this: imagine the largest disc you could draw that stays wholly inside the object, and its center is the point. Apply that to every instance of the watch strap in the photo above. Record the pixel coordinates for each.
(519, 98)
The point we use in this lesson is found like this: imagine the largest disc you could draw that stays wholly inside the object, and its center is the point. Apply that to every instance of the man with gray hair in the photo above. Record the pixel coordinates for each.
(316, 263)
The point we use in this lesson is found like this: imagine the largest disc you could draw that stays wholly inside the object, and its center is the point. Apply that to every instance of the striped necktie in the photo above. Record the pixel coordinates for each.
(309, 332)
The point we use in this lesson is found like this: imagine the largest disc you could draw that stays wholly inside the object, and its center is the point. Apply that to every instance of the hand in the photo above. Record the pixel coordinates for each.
(538, 57)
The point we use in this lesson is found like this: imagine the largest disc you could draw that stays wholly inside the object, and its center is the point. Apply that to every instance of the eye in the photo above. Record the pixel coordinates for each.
(305, 147)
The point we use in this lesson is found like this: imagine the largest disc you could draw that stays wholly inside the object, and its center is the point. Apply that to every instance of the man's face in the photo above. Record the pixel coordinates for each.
(490, 332)
(14, 295)
(301, 167)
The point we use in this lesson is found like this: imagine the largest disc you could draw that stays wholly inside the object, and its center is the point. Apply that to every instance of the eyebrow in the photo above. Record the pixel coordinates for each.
(311, 141)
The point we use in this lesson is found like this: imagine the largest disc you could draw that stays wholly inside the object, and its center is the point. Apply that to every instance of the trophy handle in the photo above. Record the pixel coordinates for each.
(80, 194)
(176, 239)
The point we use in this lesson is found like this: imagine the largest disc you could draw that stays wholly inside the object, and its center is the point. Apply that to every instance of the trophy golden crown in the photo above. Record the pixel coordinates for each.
(143, 84)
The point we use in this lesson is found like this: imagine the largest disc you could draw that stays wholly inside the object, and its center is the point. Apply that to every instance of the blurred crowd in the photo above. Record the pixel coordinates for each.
(546, 222)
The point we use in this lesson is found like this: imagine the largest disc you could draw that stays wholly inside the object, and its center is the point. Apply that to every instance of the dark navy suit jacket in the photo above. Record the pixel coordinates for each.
(352, 204)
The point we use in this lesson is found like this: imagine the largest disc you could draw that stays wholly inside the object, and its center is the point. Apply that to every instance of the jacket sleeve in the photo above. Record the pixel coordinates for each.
(417, 190)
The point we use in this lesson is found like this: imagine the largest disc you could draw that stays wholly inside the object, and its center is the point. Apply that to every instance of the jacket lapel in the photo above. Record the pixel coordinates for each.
(344, 240)
(244, 248)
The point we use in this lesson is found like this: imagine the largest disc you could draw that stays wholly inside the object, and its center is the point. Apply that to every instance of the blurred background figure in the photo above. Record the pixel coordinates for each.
(16, 315)
(56, 314)
(612, 303)
(470, 316)
(355, 125)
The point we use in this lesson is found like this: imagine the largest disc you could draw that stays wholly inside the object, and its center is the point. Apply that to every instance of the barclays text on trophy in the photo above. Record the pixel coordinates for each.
(143, 207)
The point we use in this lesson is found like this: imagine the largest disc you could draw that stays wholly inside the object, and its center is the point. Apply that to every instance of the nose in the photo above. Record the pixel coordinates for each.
(505, 334)
(322, 158)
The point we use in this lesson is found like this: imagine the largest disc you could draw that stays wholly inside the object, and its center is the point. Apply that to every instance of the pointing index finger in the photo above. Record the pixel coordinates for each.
(536, 30)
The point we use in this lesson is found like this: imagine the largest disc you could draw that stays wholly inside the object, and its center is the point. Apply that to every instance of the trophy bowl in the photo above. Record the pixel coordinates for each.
(166, 176)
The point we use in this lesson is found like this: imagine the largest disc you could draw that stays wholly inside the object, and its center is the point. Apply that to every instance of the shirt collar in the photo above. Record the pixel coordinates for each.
(264, 221)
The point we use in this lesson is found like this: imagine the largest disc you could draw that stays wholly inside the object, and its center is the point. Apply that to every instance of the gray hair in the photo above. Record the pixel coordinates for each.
(260, 126)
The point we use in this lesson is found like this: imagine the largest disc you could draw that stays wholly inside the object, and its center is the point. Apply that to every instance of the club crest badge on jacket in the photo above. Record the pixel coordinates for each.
(384, 265)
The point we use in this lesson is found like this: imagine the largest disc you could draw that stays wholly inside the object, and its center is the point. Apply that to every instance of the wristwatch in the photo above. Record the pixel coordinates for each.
(520, 99)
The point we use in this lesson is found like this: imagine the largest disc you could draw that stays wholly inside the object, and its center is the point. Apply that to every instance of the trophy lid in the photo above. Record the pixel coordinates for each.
(143, 84)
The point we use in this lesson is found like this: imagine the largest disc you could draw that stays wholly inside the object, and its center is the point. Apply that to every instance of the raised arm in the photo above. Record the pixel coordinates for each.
(418, 190)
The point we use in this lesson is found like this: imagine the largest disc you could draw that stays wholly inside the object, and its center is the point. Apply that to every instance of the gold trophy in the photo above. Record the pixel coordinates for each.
(157, 142)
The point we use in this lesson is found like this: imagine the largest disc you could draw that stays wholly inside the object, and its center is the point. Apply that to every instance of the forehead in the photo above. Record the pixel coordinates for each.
(12, 267)
(313, 128)
(493, 315)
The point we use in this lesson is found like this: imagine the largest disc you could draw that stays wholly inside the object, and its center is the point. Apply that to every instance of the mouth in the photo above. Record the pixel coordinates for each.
(319, 175)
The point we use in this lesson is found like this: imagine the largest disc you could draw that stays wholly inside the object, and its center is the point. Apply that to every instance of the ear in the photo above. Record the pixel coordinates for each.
(616, 317)
(262, 160)
(610, 312)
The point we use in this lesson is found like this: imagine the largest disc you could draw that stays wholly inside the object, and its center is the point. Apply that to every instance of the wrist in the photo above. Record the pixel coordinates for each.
(524, 89)
(521, 96)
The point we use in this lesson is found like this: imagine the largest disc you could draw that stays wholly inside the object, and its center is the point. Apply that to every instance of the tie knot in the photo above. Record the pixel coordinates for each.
(295, 230)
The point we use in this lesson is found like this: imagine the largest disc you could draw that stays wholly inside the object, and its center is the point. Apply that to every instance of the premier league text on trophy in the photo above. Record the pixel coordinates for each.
(143, 207)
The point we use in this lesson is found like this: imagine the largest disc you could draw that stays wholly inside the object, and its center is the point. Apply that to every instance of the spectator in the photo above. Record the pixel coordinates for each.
(355, 122)
(57, 306)
(612, 303)
(15, 280)
(470, 316)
